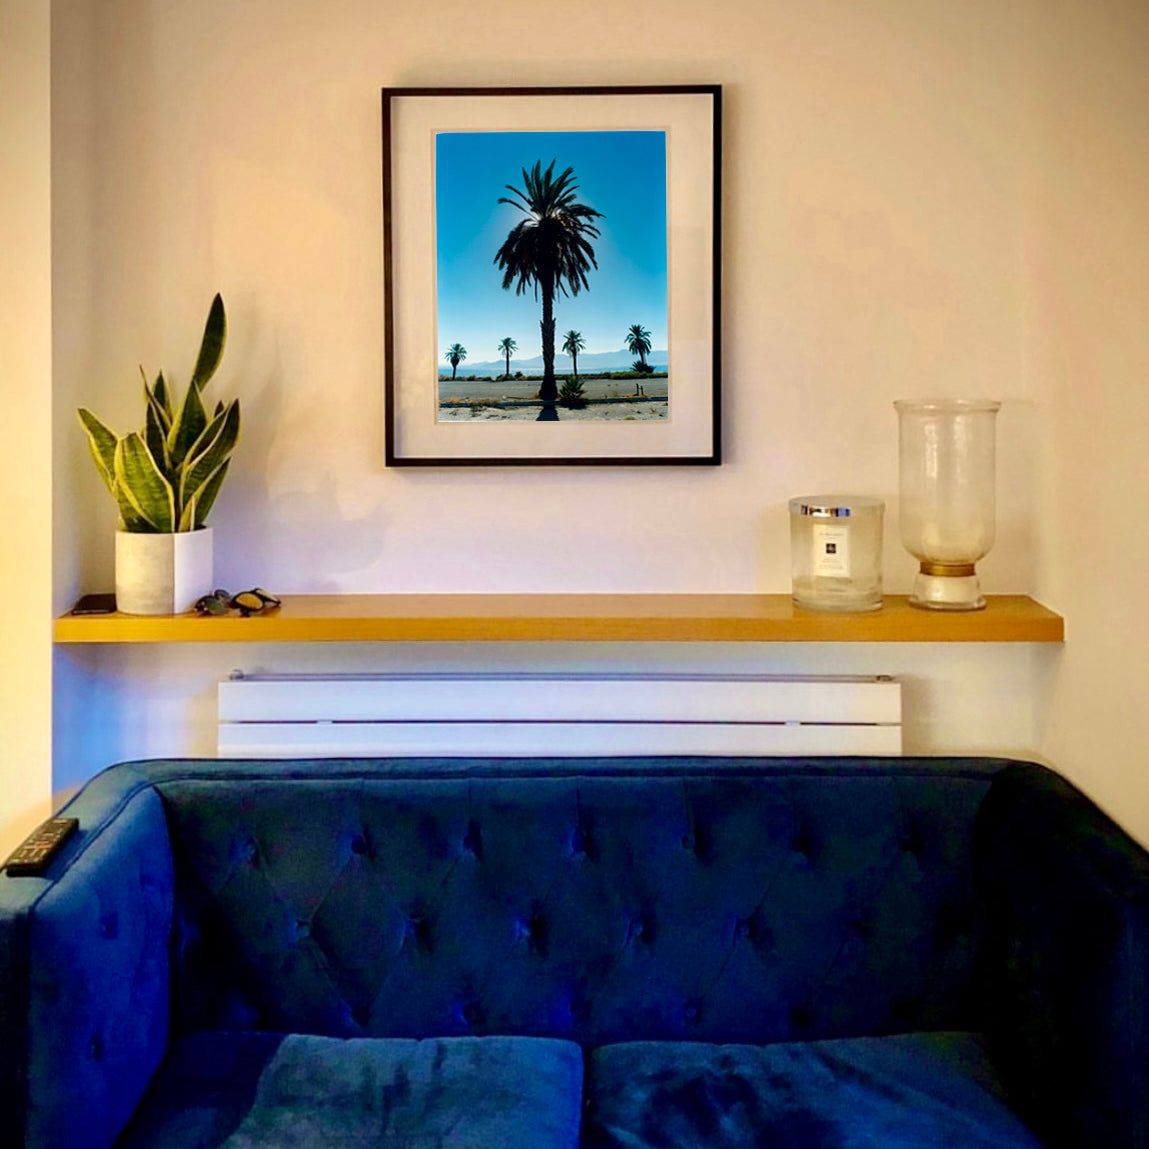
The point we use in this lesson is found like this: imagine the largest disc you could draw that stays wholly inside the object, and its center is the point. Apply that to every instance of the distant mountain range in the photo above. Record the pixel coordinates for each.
(589, 363)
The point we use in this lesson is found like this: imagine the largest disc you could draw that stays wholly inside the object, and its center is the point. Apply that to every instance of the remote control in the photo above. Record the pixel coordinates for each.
(35, 853)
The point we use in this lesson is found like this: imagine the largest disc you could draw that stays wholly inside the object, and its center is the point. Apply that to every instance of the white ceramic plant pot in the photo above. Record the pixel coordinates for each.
(162, 574)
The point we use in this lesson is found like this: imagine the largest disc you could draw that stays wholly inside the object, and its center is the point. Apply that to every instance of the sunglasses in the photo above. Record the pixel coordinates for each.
(247, 602)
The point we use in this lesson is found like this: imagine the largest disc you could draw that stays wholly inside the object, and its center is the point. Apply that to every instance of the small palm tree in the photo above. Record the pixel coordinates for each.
(638, 342)
(506, 346)
(548, 249)
(456, 353)
(572, 345)
(571, 393)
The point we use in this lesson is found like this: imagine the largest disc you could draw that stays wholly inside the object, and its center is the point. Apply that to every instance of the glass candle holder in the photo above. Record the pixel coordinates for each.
(946, 451)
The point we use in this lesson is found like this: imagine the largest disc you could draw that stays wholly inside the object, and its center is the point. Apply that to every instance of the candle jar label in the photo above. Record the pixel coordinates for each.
(831, 550)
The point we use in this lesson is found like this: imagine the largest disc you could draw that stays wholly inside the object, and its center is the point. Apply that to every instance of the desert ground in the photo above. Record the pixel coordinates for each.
(467, 400)
(479, 389)
(640, 411)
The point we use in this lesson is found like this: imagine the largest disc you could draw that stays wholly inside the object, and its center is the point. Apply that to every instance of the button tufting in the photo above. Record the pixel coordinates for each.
(688, 841)
(96, 1048)
(472, 1013)
(802, 839)
(741, 929)
(302, 930)
(954, 922)
(109, 926)
(701, 842)
(801, 1017)
(580, 843)
(418, 930)
(579, 1009)
(692, 1012)
(762, 937)
(361, 1015)
(473, 839)
(359, 844)
(540, 941)
(910, 841)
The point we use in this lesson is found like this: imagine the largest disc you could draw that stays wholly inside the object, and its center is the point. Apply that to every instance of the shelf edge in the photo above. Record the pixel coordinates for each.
(715, 618)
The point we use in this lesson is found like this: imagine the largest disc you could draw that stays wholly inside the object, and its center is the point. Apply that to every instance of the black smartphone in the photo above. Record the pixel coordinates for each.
(95, 604)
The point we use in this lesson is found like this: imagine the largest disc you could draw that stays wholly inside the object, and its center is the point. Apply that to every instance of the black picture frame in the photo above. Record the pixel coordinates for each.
(415, 433)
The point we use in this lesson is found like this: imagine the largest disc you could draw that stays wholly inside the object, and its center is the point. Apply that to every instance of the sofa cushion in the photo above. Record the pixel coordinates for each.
(912, 1091)
(267, 1091)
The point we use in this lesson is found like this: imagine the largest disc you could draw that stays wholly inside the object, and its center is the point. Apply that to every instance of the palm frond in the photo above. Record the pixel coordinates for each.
(550, 248)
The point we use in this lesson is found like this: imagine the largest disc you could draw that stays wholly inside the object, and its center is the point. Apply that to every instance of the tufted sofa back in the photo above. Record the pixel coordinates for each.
(725, 900)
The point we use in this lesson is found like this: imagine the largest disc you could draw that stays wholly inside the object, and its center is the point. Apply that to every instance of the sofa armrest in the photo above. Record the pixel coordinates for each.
(1065, 896)
(85, 974)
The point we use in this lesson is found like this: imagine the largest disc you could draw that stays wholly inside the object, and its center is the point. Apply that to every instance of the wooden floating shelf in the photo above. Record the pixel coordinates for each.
(574, 618)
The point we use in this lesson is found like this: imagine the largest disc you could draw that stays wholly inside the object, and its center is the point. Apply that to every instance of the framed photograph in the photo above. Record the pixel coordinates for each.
(552, 274)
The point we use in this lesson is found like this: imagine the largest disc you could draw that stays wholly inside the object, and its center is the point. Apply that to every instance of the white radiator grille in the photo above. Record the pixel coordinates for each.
(288, 716)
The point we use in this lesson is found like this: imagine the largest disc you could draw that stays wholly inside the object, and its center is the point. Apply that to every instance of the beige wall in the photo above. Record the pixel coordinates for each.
(1087, 254)
(872, 203)
(26, 426)
(912, 207)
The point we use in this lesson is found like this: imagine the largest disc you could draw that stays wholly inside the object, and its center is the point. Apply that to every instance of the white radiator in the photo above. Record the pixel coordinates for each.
(505, 715)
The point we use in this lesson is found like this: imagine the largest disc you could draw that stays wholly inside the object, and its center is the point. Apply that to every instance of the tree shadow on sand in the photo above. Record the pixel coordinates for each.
(549, 414)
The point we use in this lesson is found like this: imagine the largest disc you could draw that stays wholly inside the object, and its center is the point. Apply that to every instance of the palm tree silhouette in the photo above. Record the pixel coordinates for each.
(455, 355)
(572, 345)
(506, 346)
(548, 249)
(638, 342)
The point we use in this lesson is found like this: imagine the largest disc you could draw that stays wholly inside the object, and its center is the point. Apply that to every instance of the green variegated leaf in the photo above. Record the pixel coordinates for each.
(186, 428)
(207, 494)
(187, 517)
(148, 493)
(210, 451)
(155, 437)
(130, 520)
(159, 398)
(102, 441)
(191, 512)
(162, 414)
(211, 346)
(163, 396)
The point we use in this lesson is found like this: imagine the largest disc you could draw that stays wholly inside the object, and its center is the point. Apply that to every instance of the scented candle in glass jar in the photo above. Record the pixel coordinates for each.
(836, 552)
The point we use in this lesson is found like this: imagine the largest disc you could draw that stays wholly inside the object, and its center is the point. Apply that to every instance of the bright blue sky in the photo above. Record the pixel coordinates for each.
(621, 174)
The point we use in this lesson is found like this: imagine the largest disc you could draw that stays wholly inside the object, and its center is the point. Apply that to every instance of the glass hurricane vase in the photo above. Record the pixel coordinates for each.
(946, 451)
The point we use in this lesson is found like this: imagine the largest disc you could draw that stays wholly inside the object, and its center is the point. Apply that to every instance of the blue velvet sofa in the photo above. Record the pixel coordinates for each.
(621, 953)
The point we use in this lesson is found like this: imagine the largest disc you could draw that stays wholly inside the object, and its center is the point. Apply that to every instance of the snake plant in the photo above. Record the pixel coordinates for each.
(165, 477)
